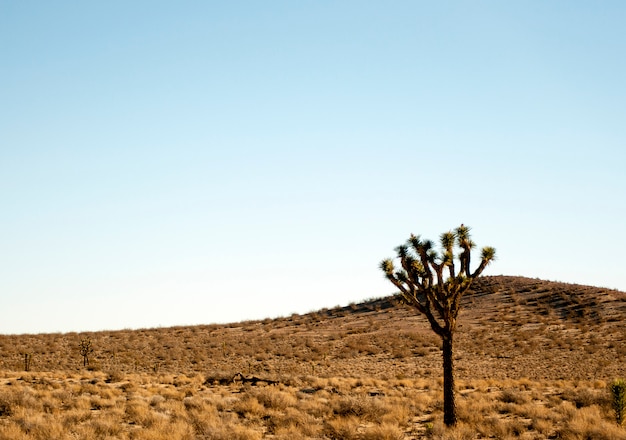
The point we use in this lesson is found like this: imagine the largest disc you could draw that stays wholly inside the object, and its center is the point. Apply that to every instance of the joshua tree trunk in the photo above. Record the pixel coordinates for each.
(449, 403)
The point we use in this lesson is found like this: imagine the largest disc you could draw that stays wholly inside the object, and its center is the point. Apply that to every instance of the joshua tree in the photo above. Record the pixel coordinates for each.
(27, 358)
(432, 283)
(85, 348)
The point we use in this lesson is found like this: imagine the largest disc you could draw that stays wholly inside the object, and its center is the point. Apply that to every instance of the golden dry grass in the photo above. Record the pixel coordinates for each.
(147, 406)
(533, 360)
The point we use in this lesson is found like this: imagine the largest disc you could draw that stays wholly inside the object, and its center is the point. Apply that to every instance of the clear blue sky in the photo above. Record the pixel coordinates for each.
(190, 162)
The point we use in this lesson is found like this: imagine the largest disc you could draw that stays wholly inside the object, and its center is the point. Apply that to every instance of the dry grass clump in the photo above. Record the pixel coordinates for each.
(360, 407)
(342, 428)
(589, 423)
(274, 398)
(384, 431)
(293, 420)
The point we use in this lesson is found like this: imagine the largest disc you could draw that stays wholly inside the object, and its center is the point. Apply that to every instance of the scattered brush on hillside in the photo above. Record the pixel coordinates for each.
(529, 364)
(509, 327)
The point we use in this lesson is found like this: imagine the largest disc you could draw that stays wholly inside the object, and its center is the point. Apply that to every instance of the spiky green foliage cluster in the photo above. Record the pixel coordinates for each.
(618, 399)
(432, 280)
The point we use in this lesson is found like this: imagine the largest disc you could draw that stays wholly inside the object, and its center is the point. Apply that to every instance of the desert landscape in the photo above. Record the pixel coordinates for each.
(533, 360)
(215, 220)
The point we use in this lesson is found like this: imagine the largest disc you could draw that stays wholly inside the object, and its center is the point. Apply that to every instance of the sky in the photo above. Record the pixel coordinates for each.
(195, 162)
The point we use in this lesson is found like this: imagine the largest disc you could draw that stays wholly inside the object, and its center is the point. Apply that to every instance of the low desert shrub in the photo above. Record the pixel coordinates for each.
(11, 432)
(589, 423)
(193, 403)
(103, 427)
(235, 432)
(542, 426)
(156, 401)
(115, 376)
(74, 417)
(513, 396)
(439, 431)
(292, 421)
(342, 428)
(383, 432)
(289, 433)
(273, 398)
(5, 407)
(364, 408)
(397, 414)
(583, 397)
(248, 407)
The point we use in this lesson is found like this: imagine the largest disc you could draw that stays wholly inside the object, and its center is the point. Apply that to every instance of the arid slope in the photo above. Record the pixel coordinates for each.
(510, 327)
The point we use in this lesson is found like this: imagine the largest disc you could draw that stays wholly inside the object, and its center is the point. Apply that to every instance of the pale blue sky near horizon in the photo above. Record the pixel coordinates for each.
(181, 163)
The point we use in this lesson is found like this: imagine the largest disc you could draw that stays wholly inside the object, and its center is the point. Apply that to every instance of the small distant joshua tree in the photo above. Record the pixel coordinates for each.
(618, 399)
(432, 283)
(85, 348)
(28, 357)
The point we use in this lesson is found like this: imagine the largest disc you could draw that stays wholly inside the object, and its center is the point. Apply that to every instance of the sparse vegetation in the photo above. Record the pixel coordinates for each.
(536, 379)
(58, 405)
(424, 284)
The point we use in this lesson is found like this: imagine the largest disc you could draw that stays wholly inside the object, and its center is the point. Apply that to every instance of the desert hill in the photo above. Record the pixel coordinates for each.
(509, 327)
